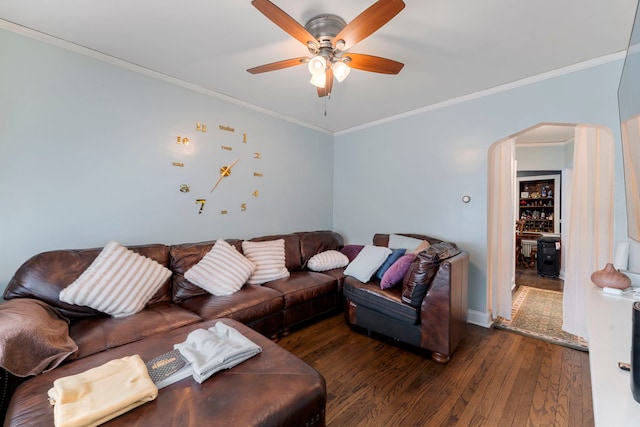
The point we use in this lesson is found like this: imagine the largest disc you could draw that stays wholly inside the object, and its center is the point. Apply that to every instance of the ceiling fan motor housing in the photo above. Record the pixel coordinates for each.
(324, 28)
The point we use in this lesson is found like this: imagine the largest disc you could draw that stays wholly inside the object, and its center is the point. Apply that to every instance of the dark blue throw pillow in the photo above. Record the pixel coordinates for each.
(395, 254)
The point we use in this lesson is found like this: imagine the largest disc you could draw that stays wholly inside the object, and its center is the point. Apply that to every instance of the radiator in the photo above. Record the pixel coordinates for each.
(527, 245)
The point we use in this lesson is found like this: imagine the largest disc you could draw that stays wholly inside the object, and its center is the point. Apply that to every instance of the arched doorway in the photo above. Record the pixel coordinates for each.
(587, 219)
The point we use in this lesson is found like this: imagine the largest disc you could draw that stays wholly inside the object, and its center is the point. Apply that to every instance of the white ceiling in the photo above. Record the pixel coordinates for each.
(450, 48)
(545, 133)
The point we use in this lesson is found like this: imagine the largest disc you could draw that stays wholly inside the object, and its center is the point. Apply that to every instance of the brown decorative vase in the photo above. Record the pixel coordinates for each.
(609, 277)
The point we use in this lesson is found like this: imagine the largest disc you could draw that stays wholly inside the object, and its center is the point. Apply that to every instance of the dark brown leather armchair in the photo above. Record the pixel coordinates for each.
(436, 323)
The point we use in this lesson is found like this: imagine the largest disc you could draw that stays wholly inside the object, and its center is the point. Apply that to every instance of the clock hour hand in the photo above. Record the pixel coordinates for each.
(224, 172)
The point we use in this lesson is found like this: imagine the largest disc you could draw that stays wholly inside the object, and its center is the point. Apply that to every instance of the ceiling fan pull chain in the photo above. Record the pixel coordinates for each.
(325, 106)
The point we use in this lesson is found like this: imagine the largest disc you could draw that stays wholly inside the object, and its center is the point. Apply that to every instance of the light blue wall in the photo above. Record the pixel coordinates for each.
(531, 158)
(86, 150)
(409, 175)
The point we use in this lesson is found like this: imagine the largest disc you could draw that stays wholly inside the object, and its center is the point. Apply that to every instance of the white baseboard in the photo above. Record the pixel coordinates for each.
(479, 318)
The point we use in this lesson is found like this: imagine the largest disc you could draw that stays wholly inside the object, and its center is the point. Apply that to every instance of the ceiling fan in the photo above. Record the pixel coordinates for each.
(328, 37)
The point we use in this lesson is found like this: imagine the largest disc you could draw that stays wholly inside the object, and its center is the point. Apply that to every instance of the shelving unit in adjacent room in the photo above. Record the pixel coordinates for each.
(539, 205)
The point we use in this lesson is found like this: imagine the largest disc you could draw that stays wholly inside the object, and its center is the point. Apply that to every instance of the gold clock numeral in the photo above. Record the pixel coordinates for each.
(243, 207)
(201, 127)
(244, 138)
(201, 202)
(226, 147)
(257, 155)
(257, 174)
(182, 140)
(255, 193)
(184, 188)
(178, 164)
(224, 212)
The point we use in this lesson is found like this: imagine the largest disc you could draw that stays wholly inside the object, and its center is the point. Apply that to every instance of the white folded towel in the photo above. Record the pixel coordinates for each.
(99, 394)
(219, 347)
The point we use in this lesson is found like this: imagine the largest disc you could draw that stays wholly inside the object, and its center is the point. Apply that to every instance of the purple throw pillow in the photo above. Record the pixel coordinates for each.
(397, 271)
(352, 251)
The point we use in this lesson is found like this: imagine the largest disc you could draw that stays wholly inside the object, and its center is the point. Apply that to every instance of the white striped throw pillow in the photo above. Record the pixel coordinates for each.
(222, 271)
(118, 282)
(269, 259)
(327, 260)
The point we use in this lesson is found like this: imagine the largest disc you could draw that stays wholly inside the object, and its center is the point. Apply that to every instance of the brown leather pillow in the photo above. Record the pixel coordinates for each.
(423, 269)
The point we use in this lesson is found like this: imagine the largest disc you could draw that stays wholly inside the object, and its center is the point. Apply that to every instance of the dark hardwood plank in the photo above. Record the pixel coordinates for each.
(495, 378)
(530, 277)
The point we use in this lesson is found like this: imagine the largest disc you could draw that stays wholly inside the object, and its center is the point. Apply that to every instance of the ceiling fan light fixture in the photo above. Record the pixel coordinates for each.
(341, 70)
(318, 80)
(317, 65)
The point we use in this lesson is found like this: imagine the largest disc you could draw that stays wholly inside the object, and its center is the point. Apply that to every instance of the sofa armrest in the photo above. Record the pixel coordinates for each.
(8, 384)
(443, 313)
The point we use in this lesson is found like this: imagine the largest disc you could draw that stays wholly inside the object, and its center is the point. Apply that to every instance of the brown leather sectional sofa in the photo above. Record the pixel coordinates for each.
(271, 308)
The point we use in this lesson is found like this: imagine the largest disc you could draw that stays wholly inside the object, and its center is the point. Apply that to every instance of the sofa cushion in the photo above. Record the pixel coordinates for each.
(384, 301)
(222, 271)
(397, 271)
(248, 304)
(418, 279)
(395, 254)
(315, 242)
(102, 333)
(118, 282)
(268, 258)
(327, 260)
(398, 241)
(304, 286)
(184, 256)
(45, 275)
(380, 239)
(367, 262)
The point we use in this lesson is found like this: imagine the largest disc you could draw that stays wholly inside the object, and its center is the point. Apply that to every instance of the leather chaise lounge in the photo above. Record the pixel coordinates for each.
(270, 309)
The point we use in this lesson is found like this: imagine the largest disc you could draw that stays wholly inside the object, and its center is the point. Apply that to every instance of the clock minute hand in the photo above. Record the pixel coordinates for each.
(224, 172)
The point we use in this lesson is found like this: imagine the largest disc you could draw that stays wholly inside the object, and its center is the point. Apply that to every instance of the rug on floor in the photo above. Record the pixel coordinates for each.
(538, 313)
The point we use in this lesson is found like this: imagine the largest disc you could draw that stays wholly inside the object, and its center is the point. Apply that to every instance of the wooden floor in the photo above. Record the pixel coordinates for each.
(530, 277)
(495, 378)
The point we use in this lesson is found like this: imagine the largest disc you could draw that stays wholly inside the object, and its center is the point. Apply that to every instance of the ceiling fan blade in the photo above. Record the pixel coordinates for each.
(372, 63)
(328, 85)
(278, 65)
(370, 20)
(284, 21)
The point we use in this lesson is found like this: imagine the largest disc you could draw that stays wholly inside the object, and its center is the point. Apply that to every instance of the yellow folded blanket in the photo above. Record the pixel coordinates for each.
(102, 393)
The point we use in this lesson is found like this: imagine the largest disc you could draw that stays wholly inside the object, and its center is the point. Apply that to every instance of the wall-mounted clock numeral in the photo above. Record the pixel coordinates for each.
(255, 193)
(226, 147)
(243, 207)
(244, 138)
(201, 127)
(257, 174)
(178, 164)
(257, 155)
(224, 212)
(184, 188)
(201, 202)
